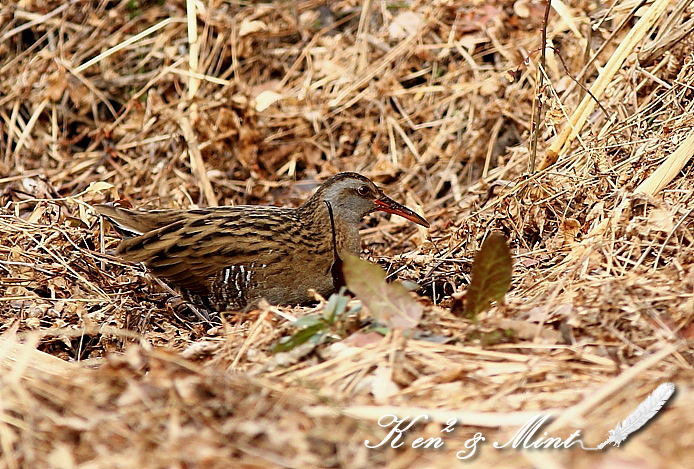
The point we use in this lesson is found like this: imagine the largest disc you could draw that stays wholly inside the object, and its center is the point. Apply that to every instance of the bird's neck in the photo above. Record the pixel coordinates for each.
(316, 217)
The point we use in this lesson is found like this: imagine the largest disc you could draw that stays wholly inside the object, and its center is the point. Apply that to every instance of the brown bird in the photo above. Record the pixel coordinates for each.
(228, 258)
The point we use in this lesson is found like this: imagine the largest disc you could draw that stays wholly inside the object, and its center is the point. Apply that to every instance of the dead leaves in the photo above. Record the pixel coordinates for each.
(491, 277)
(389, 303)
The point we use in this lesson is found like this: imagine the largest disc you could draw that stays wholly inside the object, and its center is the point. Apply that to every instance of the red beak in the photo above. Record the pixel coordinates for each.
(388, 205)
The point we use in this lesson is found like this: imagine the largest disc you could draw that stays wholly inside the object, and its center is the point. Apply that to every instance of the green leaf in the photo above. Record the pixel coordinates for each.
(307, 321)
(389, 303)
(299, 338)
(353, 311)
(336, 306)
(314, 325)
(491, 275)
(410, 285)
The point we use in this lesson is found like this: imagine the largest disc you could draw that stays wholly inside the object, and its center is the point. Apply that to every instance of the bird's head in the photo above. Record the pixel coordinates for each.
(352, 196)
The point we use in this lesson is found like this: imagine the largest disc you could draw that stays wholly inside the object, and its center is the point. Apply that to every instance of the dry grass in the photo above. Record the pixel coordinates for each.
(258, 103)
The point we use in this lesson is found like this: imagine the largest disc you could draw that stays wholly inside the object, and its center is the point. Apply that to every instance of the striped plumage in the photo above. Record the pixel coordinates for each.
(227, 258)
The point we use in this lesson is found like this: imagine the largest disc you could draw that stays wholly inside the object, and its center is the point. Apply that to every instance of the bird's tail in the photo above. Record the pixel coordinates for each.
(132, 223)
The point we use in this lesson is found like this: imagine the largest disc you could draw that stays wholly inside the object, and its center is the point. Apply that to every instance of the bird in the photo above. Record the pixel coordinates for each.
(228, 258)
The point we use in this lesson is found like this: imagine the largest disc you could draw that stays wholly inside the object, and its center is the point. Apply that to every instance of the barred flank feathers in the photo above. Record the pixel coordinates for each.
(643, 413)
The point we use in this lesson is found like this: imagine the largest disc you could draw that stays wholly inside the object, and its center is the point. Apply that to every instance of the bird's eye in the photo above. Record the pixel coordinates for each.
(363, 190)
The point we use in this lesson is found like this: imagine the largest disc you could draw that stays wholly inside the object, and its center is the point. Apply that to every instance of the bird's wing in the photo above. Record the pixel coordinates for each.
(189, 252)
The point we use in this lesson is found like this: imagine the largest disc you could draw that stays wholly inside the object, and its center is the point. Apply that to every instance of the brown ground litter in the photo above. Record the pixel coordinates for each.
(180, 104)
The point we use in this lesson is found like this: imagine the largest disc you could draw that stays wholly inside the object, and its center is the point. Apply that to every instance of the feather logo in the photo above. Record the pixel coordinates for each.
(643, 413)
